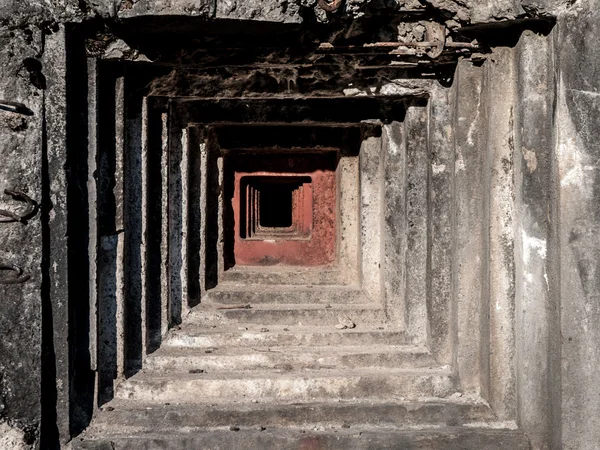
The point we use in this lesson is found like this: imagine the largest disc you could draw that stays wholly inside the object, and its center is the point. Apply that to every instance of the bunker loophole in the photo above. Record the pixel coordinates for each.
(274, 207)
(281, 208)
(275, 204)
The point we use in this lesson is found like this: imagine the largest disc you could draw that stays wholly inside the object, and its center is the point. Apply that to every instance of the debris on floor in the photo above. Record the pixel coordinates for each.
(345, 323)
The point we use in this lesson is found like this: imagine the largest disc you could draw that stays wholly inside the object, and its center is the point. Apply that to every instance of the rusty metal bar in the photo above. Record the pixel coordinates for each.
(330, 6)
(467, 45)
(15, 107)
(392, 45)
(423, 44)
(9, 216)
(18, 276)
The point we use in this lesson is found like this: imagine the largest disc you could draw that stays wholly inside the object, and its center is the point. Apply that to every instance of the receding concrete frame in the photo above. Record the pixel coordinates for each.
(347, 271)
(450, 109)
(170, 125)
(182, 131)
(404, 279)
(298, 199)
(250, 177)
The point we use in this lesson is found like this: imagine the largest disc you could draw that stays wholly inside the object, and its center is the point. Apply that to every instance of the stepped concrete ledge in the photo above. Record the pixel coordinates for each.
(342, 439)
(289, 314)
(288, 386)
(289, 358)
(265, 276)
(202, 336)
(150, 417)
(286, 294)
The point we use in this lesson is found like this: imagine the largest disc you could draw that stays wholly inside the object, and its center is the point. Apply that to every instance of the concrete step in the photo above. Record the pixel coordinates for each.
(284, 294)
(287, 386)
(342, 439)
(292, 275)
(202, 336)
(137, 417)
(290, 314)
(288, 358)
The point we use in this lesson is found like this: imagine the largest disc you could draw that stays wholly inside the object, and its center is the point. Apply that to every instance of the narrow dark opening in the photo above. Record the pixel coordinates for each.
(275, 205)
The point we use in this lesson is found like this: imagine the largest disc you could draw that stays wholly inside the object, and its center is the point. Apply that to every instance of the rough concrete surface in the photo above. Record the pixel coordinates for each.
(20, 243)
(12, 438)
(578, 105)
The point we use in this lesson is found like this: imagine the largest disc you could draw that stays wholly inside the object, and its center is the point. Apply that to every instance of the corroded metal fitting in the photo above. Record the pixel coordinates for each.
(15, 107)
(17, 275)
(9, 216)
(330, 6)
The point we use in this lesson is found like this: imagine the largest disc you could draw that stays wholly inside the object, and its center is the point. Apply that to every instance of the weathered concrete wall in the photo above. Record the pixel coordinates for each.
(536, 303)
(470, 280)
(500, 148)
(456, 12)
(34, 363)
(58, 321)
(21, 244)
(12, 438)
(578, 151)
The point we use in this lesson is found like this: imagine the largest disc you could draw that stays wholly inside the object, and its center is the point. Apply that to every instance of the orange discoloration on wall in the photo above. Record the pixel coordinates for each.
(311, 239)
